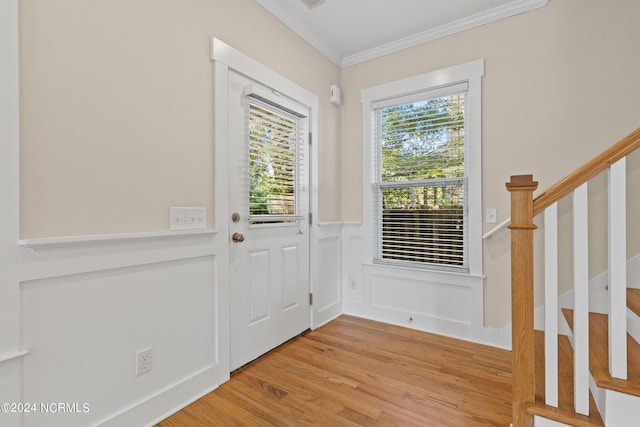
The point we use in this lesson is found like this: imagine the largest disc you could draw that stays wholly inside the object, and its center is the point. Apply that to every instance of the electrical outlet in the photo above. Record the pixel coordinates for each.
(143, 361)
(187, 218)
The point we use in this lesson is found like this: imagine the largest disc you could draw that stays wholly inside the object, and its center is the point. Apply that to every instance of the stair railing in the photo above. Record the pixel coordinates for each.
(523, 210)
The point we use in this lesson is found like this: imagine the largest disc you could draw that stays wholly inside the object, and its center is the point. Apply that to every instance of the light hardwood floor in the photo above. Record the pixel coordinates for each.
(356, 372)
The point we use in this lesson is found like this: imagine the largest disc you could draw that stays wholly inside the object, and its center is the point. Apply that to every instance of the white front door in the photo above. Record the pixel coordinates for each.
(268, 214)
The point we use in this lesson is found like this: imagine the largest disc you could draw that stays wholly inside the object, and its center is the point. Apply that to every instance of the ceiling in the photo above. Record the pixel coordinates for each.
(353, 31)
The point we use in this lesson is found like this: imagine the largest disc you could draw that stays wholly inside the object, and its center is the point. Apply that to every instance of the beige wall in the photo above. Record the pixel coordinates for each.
(117, 108)
(560, 86)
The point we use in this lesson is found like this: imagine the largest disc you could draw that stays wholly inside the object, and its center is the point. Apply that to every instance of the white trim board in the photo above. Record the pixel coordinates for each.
(10, 345)
(94, 255)
(12, 356)
(9, 175)
(197, 386)
(458, 26)
(236, 60)
(325, 49)
(97, 240)
(512, 8)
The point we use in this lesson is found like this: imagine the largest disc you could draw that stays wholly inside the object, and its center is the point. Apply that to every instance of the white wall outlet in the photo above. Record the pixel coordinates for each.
(143, 361)
(492, 215)
(187, 218)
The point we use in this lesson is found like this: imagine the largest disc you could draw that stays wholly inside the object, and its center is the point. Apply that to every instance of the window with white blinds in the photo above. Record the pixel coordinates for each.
(275, 160)
(420, 179)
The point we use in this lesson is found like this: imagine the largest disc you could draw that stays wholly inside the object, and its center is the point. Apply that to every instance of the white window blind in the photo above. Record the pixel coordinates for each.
(420, 180)
(275, 159)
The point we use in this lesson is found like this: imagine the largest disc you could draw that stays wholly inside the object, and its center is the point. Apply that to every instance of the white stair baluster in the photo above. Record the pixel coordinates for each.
(581, 295)
(617, 270)
(551, 304)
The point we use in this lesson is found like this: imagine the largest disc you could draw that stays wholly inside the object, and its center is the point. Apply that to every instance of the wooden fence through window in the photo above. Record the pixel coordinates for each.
(424, 233)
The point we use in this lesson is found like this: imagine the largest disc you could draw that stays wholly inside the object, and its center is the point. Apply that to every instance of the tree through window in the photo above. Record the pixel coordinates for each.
(421, 181)
(274, 163)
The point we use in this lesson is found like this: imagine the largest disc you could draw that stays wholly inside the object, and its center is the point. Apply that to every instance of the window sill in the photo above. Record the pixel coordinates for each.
(441, 276)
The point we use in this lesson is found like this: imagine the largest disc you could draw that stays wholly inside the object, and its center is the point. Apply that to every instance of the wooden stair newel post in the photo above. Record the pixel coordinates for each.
(521, 188)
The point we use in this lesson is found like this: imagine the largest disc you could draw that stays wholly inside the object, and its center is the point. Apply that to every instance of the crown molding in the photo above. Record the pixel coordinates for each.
(274, 8)
(495, 14)
(512, 8)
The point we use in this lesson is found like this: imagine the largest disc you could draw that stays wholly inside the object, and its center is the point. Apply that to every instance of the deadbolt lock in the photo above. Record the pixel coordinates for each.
(235, 217)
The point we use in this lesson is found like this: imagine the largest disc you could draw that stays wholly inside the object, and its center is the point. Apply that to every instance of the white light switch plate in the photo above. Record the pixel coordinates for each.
(492, 215)
(187, 218)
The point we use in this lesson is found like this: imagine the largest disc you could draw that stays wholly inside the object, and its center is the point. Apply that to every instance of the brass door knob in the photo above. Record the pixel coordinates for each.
(237, 237)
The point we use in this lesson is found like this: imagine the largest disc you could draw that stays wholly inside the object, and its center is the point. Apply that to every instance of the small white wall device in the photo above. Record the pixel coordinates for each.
(334, 94)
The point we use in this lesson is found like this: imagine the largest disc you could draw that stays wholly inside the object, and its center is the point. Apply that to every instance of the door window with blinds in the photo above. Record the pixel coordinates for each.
(276, 131)
(420, 179)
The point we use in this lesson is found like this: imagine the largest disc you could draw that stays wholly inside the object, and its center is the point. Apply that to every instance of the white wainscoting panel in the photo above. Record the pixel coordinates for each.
(439, 302)
(86, 311)
(353, 251)
(395, 290)
(421, 294)
(10, 351)
(326, 273)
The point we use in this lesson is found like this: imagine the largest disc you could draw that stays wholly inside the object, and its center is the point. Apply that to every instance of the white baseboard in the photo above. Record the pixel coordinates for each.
(325, 321)
(176, 396)
(10, 389)
(494, 337)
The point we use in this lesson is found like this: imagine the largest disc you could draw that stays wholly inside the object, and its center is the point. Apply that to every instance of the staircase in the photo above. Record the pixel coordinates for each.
(591, 376)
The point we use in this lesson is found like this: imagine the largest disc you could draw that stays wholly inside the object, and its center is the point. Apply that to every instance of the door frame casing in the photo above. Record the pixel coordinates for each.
(11, 351)
(226, 58)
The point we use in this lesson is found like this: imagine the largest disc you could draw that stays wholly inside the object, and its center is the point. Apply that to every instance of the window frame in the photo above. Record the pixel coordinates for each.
(470, 73)
(298, 115)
